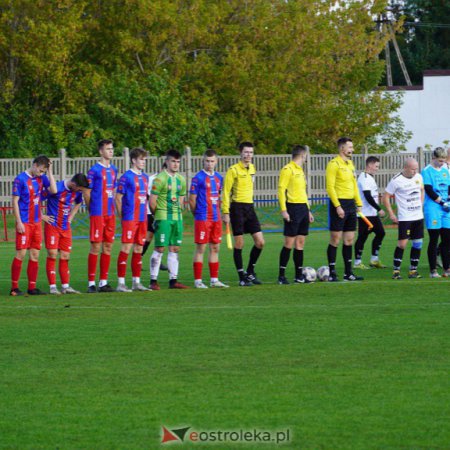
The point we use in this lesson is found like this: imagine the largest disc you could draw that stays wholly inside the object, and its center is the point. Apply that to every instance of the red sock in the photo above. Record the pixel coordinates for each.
(198, 268)
(92, 266)
(32, 272)
(50, 267)
(105, 261)
(16, 268)
(214, 269)
(136, 264)
(121, 265)
(64, 272)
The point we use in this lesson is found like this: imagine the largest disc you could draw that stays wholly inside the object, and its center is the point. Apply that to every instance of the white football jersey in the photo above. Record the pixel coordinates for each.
(366, 182)
(408, 196)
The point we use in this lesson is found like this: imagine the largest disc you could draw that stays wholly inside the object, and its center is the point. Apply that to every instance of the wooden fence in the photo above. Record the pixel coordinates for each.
(267, 166)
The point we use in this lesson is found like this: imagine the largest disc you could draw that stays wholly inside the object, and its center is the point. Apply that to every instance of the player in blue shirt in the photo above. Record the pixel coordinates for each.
(26, 200)
(131, 203)
(204, 202)
(436, 179)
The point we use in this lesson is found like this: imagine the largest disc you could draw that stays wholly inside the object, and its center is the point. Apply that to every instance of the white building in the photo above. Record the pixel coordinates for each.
(426, 110)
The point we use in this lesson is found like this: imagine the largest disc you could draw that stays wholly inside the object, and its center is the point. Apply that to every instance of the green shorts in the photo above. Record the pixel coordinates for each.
(168, 232)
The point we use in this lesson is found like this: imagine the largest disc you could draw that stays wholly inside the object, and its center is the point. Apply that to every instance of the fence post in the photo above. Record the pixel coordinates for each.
(188, 156)
(62, 164)
(421, 158)
(126, 158)
(308, 172)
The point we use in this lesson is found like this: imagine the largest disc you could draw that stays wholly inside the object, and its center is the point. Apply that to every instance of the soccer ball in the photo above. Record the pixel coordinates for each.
(323, 273)
(310, 274)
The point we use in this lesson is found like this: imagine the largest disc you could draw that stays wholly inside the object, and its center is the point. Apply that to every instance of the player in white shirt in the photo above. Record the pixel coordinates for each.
(407, 188)
(368, 191)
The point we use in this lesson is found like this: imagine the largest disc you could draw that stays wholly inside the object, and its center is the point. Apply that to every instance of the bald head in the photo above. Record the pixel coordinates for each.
(410, 168)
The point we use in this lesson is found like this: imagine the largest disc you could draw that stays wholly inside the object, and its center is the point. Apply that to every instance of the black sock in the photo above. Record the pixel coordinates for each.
(331, 255)
(432, 249)
(145, 247)
(376, 244)
(254, 255)
(172, 282)
(414, 258)
(445, 247)
(298, 262)
(347, 255)
(398, 256)
(359, 247)
(237, 256)
(284, 259)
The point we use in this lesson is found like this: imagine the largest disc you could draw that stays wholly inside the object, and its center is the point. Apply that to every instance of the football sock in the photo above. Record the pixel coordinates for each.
(359, 247)
(284, 259)
(145, 247)
(172, 264)
(445, 248)
(376, 245)
(432, 249)
(105, 261)
(331, 255)
(32, 273)
(16, 268)
(136, 265)
(237, 256)
(198, 268)
(155, 263)
(92, 267)
(64, 272)
(347, 255)
(298, 262)
(254, 255)
(122, 264)
(398, 256)
(214, 270)
(414, 258)
(50, 267)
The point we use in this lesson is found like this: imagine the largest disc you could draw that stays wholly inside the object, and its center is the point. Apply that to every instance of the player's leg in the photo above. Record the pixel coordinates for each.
(237, 226)
(404, 229)
(51, 236)
(33, 261)
(215, 238)
(363, 233)
(298, 258)
(136, 259)
(432, 251)
(65, 247)
(122, 261)
(285, 255)
(416, 247)
(105, 257)
(336, 231)
(22, 245)
(150, 233)
(378, 229)
(201, 237)
(348, 237)
(445, 249)
(175, 240)
(162, 232)
(96, 226)
(252, 226)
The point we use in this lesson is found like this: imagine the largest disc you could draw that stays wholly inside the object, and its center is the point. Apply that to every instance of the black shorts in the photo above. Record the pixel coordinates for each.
(348, 223)
(243, 219)
(410, 229)
(299, 223)
(150, 220)
(363, 229)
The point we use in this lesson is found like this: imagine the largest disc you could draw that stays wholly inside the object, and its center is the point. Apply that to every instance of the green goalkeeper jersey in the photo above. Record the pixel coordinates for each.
(169, 189)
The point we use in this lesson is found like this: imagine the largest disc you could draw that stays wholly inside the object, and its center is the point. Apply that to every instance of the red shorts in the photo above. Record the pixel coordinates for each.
(207, 232)
(102, 228)
(134, 232)
(57, 238)
(32, 238)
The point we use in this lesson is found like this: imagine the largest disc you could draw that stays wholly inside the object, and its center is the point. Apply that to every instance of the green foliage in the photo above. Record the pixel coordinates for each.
(198, 73)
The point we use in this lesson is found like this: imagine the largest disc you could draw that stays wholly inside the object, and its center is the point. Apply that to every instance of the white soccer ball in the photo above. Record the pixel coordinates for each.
(310, 274)
(323, 273)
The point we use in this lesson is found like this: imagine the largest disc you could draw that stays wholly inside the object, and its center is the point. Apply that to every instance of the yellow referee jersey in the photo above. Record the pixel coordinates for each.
(292, 185)
(238, 185)
(341, 181)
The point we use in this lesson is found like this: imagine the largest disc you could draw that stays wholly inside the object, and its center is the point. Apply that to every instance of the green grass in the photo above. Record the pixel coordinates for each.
(359, 365)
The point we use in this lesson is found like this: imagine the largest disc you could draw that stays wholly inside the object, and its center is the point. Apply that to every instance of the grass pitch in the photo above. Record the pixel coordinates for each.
(341, 365)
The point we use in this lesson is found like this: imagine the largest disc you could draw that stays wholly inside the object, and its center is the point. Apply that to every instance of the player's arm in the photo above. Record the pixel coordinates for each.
(87, 197)
(74, 212)
(52, 188)
(387, 204)
(357, 195)
(226, 194)
(19, 224)
(283, 182)
(152, 204)
(192, 202)
(118, 202)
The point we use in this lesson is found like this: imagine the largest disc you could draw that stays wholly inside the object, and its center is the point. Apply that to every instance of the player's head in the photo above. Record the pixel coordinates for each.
(40, 165)
(345, 147)
(410, 168)
(247, 150)
(299, 153)
(209, 160)
(137, 157)
(173, 160)
(439, 157)
(106, 149)
(372, 164)
(79, 182)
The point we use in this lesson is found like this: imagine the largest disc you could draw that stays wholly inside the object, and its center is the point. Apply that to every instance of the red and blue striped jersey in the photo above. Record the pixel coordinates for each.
(102, 182)
(29, 190)
(60, 204)
(134, 188)
(207, 188)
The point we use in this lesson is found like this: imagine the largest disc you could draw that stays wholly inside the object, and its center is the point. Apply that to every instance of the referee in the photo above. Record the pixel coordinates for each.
(344, 203)
(296, 214)
(238, 208)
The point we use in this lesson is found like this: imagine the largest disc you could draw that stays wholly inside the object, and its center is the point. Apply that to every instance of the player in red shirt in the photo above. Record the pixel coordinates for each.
(26, 200)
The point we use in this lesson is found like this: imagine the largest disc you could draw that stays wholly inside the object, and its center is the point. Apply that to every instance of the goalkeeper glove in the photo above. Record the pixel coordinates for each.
(445, 206)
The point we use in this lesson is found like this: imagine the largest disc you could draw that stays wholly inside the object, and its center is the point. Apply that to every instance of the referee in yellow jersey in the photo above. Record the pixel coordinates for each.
(345, 201)
(238, 208)
(293, 200)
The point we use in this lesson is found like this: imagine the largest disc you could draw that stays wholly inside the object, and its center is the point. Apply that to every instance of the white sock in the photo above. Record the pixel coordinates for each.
(357, 262)
(121, 280)
(214, 280)
(102, 283)
(155, 263)
(64, 286)
(374, 258)
(136, 280)
(198, 281)
(53, 286)
(172, 264)
(91, 283)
